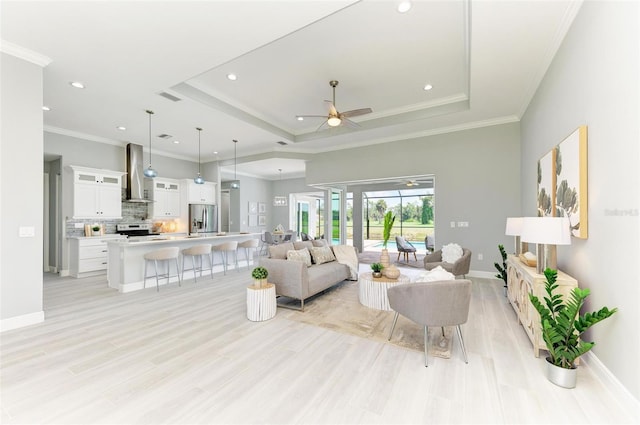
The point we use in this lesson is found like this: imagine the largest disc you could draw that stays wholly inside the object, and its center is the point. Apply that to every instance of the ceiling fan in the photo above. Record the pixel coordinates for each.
(413, 182)
(336, 118)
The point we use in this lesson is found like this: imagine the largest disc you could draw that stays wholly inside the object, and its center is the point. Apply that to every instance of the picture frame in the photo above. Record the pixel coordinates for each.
(571, 181)
(262, 207)
(262, 220)
(253, 220)
(253, 207)
(562, 182)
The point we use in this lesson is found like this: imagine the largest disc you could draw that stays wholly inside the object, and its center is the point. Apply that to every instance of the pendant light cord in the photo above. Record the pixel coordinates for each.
(150, 113)
(235, 158)
(199, 132)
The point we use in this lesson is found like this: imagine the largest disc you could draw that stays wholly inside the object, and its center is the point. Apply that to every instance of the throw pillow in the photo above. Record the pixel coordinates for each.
(322, 254)
(451, 253)
(302, 244)
(437, 273)
(320, 242)
(301, 255)
(280, 251)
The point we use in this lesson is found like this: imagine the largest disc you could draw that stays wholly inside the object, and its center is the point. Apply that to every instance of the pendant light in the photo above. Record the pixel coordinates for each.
(199, 179)
(235, 184)
(150, 172)
(280, 201)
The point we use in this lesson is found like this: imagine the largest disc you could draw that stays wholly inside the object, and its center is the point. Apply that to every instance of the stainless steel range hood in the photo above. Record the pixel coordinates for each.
(135, 176)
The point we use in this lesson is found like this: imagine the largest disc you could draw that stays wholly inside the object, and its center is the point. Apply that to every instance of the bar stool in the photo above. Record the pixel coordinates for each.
(201, 251)
(224, 249)
(164, 255)
(248, 245)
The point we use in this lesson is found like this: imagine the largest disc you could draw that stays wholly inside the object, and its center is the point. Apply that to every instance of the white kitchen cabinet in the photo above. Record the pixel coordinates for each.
(97, 193)
(201, 193)
(166, 198)
(88, 255)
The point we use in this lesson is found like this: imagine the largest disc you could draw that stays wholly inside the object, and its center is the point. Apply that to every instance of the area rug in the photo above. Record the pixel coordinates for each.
(340, 310)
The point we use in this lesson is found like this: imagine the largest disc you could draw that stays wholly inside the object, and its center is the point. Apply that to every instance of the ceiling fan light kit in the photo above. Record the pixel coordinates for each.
(335, 118)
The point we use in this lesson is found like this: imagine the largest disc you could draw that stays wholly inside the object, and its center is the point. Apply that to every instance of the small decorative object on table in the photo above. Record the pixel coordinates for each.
(260, 274)
(392, 272)
(95, 230)
(562, 327)
(377, 269)
(389, 219)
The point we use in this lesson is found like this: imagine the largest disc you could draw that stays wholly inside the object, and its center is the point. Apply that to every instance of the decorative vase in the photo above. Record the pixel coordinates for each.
(376, 274)
(392, 272)
(562, 377)
(95, 232)
(384, 258)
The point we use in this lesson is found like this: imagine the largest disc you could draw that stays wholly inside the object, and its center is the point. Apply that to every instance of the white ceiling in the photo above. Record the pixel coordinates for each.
(484, 59)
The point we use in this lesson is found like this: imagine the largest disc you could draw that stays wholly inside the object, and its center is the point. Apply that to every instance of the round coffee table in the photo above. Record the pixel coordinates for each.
(373, 290)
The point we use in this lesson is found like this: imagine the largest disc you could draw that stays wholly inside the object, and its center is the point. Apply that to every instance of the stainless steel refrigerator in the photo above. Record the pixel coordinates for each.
(203, 218)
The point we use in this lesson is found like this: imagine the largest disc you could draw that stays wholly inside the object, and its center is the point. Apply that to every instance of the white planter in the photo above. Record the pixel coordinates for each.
(565, 378)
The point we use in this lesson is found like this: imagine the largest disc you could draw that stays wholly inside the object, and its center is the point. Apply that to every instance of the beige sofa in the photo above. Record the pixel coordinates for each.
(294, 279)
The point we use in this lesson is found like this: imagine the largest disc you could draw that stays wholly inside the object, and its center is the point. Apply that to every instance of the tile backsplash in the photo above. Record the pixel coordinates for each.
(131, 211)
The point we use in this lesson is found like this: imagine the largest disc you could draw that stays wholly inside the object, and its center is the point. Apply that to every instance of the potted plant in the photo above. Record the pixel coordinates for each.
(562, 325)
(95, 230)
(502, 270)
(377, 269)
(389, 218)
(260, 274)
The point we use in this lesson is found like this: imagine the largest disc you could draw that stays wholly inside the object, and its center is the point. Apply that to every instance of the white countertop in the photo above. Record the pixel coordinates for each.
(164, 239)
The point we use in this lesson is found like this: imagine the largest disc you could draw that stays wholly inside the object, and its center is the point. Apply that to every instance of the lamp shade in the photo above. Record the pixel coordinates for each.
(546, 230)
(514, 226)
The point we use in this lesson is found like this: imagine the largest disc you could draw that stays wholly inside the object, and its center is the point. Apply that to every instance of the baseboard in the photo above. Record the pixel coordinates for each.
(64, 272)
(478, 273)
(21, 321)
(627, 401)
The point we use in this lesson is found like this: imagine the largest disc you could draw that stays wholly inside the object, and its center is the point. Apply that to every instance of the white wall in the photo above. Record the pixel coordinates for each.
(21, 193)
(477, 179)
(594, 81)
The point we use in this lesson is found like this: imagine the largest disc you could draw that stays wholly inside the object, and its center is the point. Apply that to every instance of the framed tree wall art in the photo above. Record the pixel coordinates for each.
(571, 186)
(562, 182)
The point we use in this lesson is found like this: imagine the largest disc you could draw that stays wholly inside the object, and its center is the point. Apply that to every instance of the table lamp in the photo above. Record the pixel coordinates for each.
(547, 233)
(514, 228)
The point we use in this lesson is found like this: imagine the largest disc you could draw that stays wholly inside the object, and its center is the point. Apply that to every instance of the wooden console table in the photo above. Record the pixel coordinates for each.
(523, 280)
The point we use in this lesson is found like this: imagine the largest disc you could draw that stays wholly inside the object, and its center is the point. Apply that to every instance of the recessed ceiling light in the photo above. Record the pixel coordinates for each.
(77, 84)
(232, 77)
(428, 87)
(300, 118)
(404, 6)
(176, 142)
(215, 152)
(121, 128)
(46, 108)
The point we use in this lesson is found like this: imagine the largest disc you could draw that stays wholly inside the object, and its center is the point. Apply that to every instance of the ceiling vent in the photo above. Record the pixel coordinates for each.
(282, 143)
(169, 96)
(165, 136)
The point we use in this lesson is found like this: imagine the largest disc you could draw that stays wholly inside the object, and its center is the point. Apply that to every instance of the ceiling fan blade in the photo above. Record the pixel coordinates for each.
(357, 112)
(312, 116)
(332, 110)
(323, 126)
(348, 122)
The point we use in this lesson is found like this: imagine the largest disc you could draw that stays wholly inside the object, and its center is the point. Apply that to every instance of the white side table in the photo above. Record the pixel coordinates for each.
(261, 302)
(373, 290)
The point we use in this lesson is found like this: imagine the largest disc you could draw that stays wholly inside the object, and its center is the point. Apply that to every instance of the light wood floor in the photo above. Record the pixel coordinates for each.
(189, 355)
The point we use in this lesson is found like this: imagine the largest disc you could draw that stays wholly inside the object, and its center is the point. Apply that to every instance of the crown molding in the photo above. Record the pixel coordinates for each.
(24, 54)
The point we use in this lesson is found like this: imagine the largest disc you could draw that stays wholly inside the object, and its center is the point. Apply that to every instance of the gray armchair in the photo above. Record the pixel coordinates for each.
(460, 267)
(440, 303)
(405, 247)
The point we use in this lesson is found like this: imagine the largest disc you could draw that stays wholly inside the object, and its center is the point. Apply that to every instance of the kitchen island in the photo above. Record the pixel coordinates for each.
(125, 270)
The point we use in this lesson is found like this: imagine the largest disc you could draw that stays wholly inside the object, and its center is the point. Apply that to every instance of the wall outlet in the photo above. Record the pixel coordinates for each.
(26, 231)
(480, 257)
(453, 224)
(463, 224)
(78, 225)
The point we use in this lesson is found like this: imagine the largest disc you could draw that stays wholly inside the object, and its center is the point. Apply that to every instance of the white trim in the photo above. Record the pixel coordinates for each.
(24, 54)
(478, 273)
(21, 321)
(64, 273)
(627, 401)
